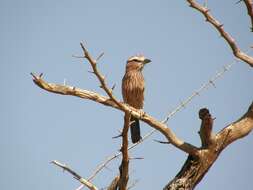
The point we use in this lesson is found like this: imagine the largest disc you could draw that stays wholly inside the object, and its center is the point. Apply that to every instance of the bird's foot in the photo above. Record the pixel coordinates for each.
(142, 113)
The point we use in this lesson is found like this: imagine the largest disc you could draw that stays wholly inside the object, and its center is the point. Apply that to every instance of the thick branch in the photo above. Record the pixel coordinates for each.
(206, 127)
(236, 130)
(124, 167)
(76, 176)
(69, 90)
(195, 169)
(231, 42)
(114, 184)
(249, 5)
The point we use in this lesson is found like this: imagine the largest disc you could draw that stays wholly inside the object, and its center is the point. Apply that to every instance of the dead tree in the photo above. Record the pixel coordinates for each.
(200, 159)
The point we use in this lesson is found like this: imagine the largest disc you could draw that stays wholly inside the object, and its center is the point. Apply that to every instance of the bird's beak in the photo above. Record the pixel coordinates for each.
(146, 61)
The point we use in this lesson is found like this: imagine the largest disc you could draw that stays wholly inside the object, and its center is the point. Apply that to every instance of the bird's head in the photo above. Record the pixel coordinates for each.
(136, 62)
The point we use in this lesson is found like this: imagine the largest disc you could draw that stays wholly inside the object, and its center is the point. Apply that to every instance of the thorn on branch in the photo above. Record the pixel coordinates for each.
(101, 55)
(162, 142)
(92, 72)
(136, 158)
(221, 25)
(113, 86)
(78, 56)
(182, 104)
(115, 137)
(86, 54)
(211, 82)
(82, 46)
(33, 75)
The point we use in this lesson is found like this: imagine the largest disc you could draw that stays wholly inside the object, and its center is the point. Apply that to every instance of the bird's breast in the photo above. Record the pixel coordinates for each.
(133, 86)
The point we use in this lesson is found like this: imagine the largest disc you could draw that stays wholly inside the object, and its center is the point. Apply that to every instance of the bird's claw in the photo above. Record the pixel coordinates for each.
(142, 113)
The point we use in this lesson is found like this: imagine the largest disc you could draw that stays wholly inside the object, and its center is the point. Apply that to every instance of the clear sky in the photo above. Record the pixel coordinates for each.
(37, 126)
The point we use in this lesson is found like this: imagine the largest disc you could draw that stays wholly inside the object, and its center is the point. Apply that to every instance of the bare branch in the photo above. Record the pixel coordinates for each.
(249, 5)
(162, 142)
(100, 77)
(124, 167)
(237, 129)
(197, 92)
(206, 127)
(117, 136)
(69, 90)
(112, 157)
(76, 176)
(231, 42)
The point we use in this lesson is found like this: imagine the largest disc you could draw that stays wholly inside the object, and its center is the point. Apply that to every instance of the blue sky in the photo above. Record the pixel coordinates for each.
(37, 126)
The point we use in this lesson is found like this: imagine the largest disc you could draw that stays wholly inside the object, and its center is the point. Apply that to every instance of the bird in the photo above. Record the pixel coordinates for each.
(133, 86)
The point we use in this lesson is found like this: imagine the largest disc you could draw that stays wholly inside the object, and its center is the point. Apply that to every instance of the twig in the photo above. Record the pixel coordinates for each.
(162, 142)
(136, 158)
(77, 56)
(112, 157)
(76, 176)
(117, 136)
(100, 77)
(101, 55)
(219, 27)
(197, 92)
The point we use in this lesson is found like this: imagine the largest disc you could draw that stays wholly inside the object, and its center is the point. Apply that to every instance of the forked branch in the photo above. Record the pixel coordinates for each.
(219, 27)
(194, 169)
(113, 102)
(100, 77)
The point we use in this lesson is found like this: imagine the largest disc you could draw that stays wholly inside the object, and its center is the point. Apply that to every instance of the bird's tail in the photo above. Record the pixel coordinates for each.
(135, 129)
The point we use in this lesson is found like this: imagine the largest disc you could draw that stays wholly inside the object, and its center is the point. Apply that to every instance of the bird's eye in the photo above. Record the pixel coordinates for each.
(136, 60)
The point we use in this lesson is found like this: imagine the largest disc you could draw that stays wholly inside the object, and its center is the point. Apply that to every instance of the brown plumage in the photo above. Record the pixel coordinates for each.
(133, 86)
